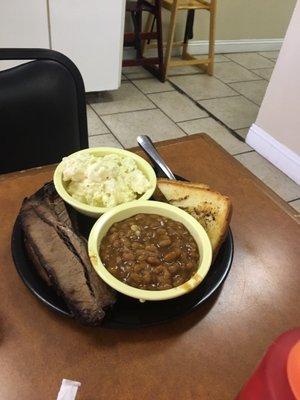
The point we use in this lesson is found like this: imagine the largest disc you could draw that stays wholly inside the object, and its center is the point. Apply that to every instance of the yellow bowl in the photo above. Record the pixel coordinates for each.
(125, 211)
(93, 211)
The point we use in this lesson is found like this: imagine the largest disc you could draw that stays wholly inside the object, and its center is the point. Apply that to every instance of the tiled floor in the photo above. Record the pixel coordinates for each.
(224, 106)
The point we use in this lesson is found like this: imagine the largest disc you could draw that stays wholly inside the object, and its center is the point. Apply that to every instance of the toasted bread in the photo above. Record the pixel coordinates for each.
(211, 209)
(176, 187)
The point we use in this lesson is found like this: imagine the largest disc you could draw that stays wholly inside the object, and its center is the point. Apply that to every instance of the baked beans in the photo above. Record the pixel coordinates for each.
(150, 252)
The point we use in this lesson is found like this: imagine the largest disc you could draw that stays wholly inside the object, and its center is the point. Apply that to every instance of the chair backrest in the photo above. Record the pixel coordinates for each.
(42, 109)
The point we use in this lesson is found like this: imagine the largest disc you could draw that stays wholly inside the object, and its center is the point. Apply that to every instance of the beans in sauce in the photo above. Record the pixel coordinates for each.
(150, 252)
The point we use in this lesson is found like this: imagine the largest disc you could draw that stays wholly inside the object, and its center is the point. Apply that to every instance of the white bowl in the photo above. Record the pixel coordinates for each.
(93, 211)
(125, 211)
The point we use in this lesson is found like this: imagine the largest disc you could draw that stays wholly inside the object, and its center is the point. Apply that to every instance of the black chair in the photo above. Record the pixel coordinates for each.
(42, 109)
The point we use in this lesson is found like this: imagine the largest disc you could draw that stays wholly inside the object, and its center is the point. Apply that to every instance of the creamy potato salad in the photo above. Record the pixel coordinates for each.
(103, 181)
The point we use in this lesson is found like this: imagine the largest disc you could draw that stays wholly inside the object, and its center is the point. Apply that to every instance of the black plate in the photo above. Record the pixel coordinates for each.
(127, 312)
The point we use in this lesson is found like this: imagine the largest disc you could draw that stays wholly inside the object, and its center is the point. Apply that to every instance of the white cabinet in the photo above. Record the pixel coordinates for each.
(89, 32)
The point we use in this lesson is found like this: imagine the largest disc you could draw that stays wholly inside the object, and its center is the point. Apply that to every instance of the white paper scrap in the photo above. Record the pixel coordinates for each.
(68, 390)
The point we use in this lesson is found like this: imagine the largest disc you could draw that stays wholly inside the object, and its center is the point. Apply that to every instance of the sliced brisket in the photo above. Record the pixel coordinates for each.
(60, 256)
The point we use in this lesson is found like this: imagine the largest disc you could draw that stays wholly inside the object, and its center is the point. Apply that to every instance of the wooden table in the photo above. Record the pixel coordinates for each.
(205, 355)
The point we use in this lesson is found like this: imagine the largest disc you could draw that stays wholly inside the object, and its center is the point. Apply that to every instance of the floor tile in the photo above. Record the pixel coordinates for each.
(153, 85)
(273, 55)
(231, 72)
(235, 112)
(133, 69)
(126, 127)
(221, 58)
(140, 72)
(250, 60)
(254, 91)
(218, 132)
(107, 140)
(183, 70)
(177, 106)
(192, 69)
(95, 125)
(126, 98)
(218, 57)
(270, 175)
(123, 78)
(242, 132)
(202, 86)
(136, 72)
(264, 72)
(296, 205)
(91, 96)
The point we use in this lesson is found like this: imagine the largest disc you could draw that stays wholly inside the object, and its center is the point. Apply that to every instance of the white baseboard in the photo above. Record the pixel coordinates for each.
(277, 153)
(236, 46)
(222, 46)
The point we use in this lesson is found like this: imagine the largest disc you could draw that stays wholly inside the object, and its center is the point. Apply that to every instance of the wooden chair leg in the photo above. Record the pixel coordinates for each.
(159, 40)
(211, 50)
(138, 30)
(185, 43)
(188, 32)
(170, 38)
(148, 25)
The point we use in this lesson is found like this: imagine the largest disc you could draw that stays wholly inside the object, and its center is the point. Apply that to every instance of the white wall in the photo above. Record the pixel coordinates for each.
(23, 24)
(276, 132)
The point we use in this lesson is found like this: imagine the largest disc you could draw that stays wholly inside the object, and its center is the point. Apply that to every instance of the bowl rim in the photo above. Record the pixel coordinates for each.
(57, 179)
(141, 294)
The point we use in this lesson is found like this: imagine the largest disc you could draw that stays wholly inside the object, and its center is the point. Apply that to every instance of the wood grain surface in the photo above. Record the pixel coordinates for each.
(207, 354)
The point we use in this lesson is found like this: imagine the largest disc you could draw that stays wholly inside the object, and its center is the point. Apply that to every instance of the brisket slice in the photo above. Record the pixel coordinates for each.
(49, 197)
(36, 262)
(61, 258)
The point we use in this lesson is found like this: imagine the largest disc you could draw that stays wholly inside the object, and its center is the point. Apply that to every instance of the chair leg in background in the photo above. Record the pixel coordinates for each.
(211, 49)
(159, 41)
(188, 35)
(148, 28)
(170, 39)
(138, 17)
